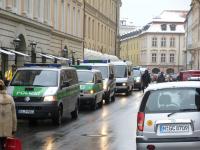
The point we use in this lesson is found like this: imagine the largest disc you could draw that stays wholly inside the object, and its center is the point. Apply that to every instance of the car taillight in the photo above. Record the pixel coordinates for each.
(140, 121)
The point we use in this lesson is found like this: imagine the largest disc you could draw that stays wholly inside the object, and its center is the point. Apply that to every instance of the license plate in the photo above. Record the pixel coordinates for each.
(26, 111)
(174, 128)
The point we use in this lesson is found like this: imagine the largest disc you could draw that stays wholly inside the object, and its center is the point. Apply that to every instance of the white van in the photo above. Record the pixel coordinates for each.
(124, 81)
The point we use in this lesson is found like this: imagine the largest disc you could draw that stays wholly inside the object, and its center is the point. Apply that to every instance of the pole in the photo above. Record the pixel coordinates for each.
(84, 28)
(179, 53)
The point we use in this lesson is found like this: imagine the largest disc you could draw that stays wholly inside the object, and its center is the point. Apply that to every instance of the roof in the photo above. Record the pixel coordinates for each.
(45, 68)
(96, 64)
(119, 63)
(167, 17)
(92, 70)
(167, 85)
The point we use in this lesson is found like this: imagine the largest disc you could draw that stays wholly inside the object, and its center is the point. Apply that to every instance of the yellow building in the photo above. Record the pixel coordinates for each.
(129, 49)
(101, 25)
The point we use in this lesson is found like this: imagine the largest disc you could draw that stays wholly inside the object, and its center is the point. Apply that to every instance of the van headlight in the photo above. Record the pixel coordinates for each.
(91, 91)
(124, 84)
(137, 79)
(105, 85)
(49, 98)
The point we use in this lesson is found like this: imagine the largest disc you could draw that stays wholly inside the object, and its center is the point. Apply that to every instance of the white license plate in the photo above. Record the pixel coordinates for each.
(26, 111)
(174, 128)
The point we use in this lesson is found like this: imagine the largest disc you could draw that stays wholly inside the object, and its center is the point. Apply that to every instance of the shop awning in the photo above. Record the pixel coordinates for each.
(59, 58)
(47, 56)
(16, 52)
(6, 52)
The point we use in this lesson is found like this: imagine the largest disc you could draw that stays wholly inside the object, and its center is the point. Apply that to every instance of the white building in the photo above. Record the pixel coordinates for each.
(162, 42)
(126, 26)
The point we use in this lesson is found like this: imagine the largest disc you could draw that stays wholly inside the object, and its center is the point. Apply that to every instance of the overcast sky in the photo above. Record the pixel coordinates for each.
(142, 11)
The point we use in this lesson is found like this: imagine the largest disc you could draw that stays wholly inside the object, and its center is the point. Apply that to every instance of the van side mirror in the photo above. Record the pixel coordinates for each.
(197, 101)
(65, 84)
(129, 73)
(99, 81)
(111, 76)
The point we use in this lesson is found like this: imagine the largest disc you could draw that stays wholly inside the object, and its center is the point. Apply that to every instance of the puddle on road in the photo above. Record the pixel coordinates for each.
(94, 135)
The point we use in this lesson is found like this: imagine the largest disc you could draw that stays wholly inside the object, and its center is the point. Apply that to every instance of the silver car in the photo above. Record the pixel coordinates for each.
(169, 117)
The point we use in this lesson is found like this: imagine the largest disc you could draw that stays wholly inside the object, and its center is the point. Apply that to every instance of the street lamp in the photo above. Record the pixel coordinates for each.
(65, 50)
(16, 43)
(33, 45)
(73, 59)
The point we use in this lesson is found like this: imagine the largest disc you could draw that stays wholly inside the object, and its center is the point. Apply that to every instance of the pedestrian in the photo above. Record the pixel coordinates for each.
(161, 78)
(146, 79)
(9, 74)
(8, 119)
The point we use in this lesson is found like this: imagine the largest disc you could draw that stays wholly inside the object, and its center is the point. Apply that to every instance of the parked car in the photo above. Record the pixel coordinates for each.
(168, 117)
(184, 75)
(45, 91)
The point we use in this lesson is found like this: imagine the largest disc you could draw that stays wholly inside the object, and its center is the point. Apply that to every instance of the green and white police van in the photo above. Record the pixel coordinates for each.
(91, 86)
(109, 81)
(45, 91)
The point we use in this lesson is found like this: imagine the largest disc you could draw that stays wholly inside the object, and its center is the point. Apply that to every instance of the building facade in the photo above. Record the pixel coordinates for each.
(162, 42)
(101, 24)
(35, 28)
(192, 26)
(129, 48)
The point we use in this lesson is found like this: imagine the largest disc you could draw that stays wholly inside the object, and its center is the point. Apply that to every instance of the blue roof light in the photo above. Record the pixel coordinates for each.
(42, 65)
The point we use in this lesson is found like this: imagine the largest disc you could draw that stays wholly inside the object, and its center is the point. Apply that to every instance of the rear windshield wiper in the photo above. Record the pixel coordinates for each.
(181, 110)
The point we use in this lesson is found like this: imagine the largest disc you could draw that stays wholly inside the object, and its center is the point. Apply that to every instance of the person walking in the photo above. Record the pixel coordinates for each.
(146, 79)
(161, 78)
(8, 119)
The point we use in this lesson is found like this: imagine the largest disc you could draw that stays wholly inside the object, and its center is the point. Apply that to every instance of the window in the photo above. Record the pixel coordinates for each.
(78, 23)
(172, 42)
(153, 57)
(47, 8)
(28, 4)
(171, 58)
(163, 27)
(154, 42)
(172, 27)
(74, 20)
(63, 16)
(163, 57)
(163, 42)
(56, 14)
(89, 27)
(68, 18)
(2, 3)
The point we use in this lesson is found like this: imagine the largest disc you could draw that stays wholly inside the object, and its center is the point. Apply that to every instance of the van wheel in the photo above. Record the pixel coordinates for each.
(57, 120)
(100, 104)
(74, 114)
(113, 98)
(108, 99)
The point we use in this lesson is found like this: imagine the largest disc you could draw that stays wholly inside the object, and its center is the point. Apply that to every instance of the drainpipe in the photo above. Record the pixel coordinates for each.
(84, 28)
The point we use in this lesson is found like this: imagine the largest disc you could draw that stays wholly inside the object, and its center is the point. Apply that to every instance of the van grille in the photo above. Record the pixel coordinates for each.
(28, 107)
(32, 99)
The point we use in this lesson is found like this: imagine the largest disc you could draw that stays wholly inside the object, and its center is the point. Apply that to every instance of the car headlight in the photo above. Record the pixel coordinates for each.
(138, 80)
(49, 98)
(124, 84)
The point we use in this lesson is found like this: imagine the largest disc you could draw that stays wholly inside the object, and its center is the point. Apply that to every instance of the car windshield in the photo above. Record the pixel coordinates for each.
(120, 71)
(136, 73)
(46, 78)
(85, 76)
(103, 69)
(172, 100)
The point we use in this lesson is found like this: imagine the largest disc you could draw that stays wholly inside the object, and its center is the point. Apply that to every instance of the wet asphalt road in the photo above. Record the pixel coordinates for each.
(110, 128)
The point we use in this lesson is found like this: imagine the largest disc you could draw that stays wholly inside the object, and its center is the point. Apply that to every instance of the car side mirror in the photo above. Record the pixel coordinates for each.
(111, 76)
(65, 84)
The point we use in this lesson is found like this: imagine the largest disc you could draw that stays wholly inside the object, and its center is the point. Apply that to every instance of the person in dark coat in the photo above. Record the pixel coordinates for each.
(161, 78)
(146, 79)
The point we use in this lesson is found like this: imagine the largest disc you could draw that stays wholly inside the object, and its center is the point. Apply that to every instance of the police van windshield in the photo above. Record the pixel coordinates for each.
(85, 77)
(120, 71)
(44, 78)
(103, 69)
